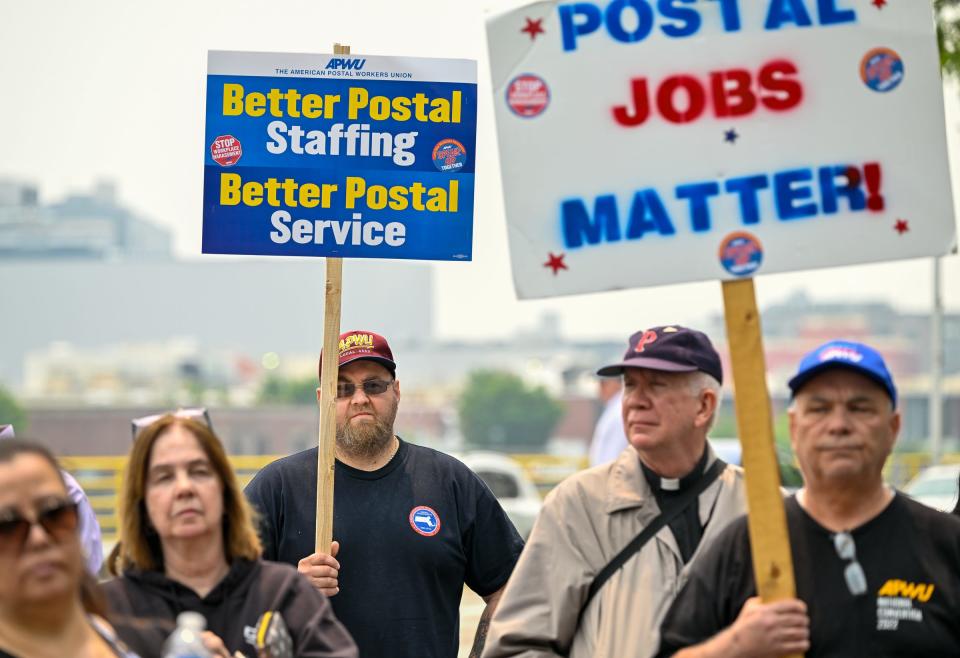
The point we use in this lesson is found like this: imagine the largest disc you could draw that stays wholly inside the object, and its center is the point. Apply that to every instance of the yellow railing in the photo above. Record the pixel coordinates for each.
(101, 477)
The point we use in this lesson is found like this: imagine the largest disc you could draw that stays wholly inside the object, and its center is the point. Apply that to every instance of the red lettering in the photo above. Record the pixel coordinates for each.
(732, 85)
(666, 99)
(641, 105)
(787, 92)
(731, 93)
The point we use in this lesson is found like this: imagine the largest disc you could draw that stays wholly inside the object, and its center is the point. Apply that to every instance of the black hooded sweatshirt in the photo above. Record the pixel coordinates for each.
(143, 607)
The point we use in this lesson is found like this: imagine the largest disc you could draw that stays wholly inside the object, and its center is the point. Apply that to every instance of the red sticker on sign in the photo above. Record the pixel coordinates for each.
(226, 150)
(528, 95)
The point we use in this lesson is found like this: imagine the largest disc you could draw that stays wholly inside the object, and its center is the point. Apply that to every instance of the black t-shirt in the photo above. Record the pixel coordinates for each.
(909, 553)
(411, 535)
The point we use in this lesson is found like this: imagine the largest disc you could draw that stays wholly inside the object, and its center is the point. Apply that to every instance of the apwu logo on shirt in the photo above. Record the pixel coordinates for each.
(895, 603)
(425, 521)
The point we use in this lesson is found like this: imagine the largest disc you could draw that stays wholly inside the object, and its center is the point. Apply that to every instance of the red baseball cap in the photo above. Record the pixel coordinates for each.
(356, 345)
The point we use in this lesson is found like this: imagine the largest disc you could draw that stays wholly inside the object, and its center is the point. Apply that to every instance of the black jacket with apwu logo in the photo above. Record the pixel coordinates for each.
(144, 605)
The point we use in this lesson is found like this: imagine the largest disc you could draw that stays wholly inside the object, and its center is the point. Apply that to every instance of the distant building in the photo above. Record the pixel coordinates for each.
(83, 226)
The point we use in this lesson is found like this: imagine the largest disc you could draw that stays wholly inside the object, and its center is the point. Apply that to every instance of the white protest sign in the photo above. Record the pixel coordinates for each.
(647, 142)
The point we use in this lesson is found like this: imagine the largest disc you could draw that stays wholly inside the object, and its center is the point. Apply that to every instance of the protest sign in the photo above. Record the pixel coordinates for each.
(325, 155)
(645, 143)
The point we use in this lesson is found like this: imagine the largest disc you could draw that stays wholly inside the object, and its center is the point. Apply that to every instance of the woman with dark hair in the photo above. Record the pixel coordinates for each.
(49, 604)
(187, 543)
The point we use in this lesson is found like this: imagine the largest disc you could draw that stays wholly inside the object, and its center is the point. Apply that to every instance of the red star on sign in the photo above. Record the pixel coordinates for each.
(533, 28)
(902, 226)
(879, 3)
(555, 263)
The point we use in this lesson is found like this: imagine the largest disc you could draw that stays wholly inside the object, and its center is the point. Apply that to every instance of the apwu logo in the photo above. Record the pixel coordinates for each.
(345, 64)
(843, 354)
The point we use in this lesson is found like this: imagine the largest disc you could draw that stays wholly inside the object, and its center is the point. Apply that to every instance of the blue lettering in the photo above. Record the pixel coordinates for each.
(699, 206)
(578, 227)
(648, 214)
(829, 14)
(614, 19)
(829, 190)
(787, 11)
(747, 187)
(571, 28)
(730, 12)
(689, 18)
(786, 194)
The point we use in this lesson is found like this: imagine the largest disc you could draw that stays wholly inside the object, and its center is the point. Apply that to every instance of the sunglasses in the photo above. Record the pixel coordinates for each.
(853, 572)
(370, 387)
(199, 414)
(58, 518)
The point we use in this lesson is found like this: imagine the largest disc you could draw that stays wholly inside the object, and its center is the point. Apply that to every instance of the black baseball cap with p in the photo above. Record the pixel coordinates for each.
(356, 345)
(669, 348)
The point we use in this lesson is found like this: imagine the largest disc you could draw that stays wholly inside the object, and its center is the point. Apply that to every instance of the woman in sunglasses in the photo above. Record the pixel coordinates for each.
(49, 604)
(187, 542)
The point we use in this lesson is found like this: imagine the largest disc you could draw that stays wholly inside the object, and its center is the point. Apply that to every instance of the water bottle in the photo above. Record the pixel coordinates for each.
(185, 642)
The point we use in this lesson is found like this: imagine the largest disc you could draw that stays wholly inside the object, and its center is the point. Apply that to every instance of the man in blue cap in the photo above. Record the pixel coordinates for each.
(877, 573)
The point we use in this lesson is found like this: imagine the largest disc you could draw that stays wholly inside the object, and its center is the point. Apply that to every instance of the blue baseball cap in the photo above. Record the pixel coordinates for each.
(844, 354)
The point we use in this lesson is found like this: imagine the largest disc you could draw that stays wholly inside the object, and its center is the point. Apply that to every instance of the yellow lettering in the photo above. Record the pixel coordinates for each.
(455, 117)
(454, 194)
(437, 199)
(356, 188)
(401, 108)
(925, 595)
(440, 110)
(232, 100)
(398, 198)
(252, 194)
(229, 189)
(358, 100)
(255, 104)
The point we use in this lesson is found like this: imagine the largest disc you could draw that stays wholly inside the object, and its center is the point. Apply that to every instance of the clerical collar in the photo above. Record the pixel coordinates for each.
(659, 484)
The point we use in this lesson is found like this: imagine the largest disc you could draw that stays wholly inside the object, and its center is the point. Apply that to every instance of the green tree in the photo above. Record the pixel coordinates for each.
(948, 36)
(11, 413)
(499, 412)
(275, 390)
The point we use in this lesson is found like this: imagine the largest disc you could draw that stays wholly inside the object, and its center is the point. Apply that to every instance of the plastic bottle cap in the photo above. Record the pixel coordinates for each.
(191, 620)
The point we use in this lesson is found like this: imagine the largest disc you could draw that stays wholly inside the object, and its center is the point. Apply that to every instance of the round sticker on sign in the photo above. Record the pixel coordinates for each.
(528, 95)
(741, 253)
(881, 69)
(449, 155)
(424, 521)
(226, 150)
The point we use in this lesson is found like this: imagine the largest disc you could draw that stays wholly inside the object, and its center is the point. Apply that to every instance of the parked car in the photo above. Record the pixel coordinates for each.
(935, 486)
(510, 484)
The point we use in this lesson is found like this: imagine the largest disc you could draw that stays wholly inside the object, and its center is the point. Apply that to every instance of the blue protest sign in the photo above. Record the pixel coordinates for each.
(339, 155)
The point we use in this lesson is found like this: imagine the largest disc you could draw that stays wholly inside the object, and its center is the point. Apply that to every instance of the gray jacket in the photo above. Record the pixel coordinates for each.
(584, 523)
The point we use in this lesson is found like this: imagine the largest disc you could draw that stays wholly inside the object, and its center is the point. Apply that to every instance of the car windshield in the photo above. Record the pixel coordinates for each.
(933, 487)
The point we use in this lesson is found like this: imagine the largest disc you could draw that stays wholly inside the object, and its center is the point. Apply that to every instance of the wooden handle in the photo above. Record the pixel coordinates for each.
(328, 404)
(326, 454)
(772, 560)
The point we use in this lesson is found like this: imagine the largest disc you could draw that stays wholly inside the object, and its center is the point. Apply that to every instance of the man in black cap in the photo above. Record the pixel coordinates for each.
(877, 573)
(614, 543)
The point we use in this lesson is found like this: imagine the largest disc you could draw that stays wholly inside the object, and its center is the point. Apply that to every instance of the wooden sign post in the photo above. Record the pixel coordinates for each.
(767, 521)
(326, 455)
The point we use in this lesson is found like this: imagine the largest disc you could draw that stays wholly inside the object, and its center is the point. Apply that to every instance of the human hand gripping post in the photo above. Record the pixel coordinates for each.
(322, 570)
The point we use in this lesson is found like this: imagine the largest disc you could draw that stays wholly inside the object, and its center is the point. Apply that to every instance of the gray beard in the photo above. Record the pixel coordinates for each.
(365, 441)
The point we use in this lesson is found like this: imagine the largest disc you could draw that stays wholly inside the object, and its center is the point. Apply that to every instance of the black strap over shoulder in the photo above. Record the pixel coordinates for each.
(651, 529)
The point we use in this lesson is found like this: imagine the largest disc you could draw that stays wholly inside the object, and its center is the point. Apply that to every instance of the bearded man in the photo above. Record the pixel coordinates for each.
(411, 525)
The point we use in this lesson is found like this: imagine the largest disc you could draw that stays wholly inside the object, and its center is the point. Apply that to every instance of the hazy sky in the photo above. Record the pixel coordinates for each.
(115, 90)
